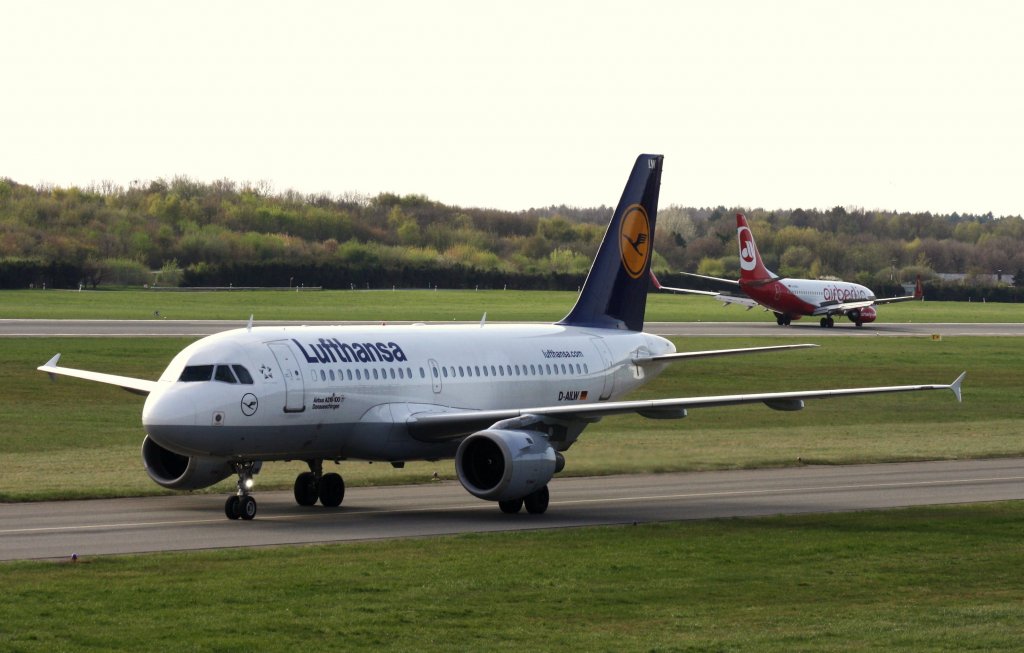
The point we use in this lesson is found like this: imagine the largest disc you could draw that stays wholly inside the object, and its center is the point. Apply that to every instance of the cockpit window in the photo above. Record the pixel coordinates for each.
(243, 374)
(194, 373)
(224, 374)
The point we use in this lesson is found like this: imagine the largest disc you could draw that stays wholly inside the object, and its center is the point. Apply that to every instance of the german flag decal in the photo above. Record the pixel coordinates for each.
(635, 240)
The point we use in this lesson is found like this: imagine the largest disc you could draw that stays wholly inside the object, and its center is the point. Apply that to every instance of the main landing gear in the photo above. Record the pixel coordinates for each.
(782, 320)
(242, 505)
(314, 484)
(827, 322)
(536, 503)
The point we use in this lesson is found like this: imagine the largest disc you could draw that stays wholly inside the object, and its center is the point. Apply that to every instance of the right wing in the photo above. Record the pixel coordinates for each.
(135, 386)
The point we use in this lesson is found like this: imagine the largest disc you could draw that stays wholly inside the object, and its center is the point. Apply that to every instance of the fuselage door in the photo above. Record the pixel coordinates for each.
(608, 373)
(295, 387)
(435, 375)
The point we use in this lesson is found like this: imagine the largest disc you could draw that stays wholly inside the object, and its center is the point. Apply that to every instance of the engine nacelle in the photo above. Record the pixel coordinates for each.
(863, 315)
(177, 472)
(503, 465)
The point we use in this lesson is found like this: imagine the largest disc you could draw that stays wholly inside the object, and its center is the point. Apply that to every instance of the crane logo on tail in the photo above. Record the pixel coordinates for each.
(635, 241)
(748, 251)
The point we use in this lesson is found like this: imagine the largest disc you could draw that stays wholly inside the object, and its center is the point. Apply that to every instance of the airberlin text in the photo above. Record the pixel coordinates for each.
(840, 294)
(331, 350)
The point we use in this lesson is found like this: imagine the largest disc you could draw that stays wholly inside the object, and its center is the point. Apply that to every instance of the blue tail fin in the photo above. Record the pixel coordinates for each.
(614, 296)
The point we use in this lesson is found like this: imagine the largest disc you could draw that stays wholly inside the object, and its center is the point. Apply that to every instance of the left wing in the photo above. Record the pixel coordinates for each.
(725, 298)
(441, 426)
(136, 386)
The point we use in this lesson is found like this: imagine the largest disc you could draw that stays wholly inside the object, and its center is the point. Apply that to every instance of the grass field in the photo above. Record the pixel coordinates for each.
(422, 305)
(922, 579)
(77, 439)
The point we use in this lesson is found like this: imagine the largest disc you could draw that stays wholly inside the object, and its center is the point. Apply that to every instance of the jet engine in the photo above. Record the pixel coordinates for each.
(863, 315)
(177, 472)
(500, 465)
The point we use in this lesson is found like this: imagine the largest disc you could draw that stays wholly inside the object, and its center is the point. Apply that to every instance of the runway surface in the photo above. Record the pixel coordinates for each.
(197, 328)
(55, 530)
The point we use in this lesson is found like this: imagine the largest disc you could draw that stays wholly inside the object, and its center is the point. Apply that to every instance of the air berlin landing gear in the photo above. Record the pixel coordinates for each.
(782, 320)
(827, 322)
(242, 505)
(314, 484)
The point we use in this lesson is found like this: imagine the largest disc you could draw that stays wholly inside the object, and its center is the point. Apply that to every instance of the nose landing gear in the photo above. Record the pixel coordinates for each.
(242, 505)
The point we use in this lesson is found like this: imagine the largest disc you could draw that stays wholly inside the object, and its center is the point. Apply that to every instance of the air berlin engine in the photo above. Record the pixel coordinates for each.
(863, 315)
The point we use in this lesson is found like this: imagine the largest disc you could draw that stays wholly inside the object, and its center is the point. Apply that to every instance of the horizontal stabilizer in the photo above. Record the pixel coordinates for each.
(717, 352)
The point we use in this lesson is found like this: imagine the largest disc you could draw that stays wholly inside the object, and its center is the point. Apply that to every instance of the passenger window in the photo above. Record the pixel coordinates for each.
(392, 370)
(243, 374)
(194, 373)
(332, 375)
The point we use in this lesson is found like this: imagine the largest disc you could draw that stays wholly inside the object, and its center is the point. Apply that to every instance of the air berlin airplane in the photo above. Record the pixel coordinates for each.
(505, 401)
(790, 299)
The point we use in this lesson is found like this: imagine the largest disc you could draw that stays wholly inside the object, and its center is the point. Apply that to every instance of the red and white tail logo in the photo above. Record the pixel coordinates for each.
(751, 267)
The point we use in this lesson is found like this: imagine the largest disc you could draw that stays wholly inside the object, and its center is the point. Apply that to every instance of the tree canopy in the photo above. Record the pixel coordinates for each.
(202, 233)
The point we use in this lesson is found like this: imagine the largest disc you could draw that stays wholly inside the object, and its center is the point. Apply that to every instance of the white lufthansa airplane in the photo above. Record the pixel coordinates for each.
(505, 401)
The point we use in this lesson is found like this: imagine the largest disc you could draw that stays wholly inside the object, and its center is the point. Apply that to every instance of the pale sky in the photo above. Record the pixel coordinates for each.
(914, 105)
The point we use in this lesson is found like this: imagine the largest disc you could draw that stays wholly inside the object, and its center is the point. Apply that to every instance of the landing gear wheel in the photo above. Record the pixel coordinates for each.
(511, 507)
(537, 502)
(233, 507)
(332, 490)
(824, 322)
(780, 319)
(306, 491)
(830, 322)
(859, 324)
(248, 507)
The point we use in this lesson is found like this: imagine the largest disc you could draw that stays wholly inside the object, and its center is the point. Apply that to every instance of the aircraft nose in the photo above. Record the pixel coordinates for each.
(168, 417)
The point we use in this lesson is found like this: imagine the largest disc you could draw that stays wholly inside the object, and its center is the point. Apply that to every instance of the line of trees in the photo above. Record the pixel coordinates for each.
(185, 232)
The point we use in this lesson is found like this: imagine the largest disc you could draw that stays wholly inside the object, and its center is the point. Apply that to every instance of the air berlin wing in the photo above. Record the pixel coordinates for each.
(890, 300)
(842, 307)
(438, 427)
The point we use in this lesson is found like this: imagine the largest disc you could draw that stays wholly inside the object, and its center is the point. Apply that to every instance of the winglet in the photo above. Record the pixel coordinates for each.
(51, 363)
(654, 280)
(955, 385)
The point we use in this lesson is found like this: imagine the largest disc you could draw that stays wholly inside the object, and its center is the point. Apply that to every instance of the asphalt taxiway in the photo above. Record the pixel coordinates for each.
(56, 530)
